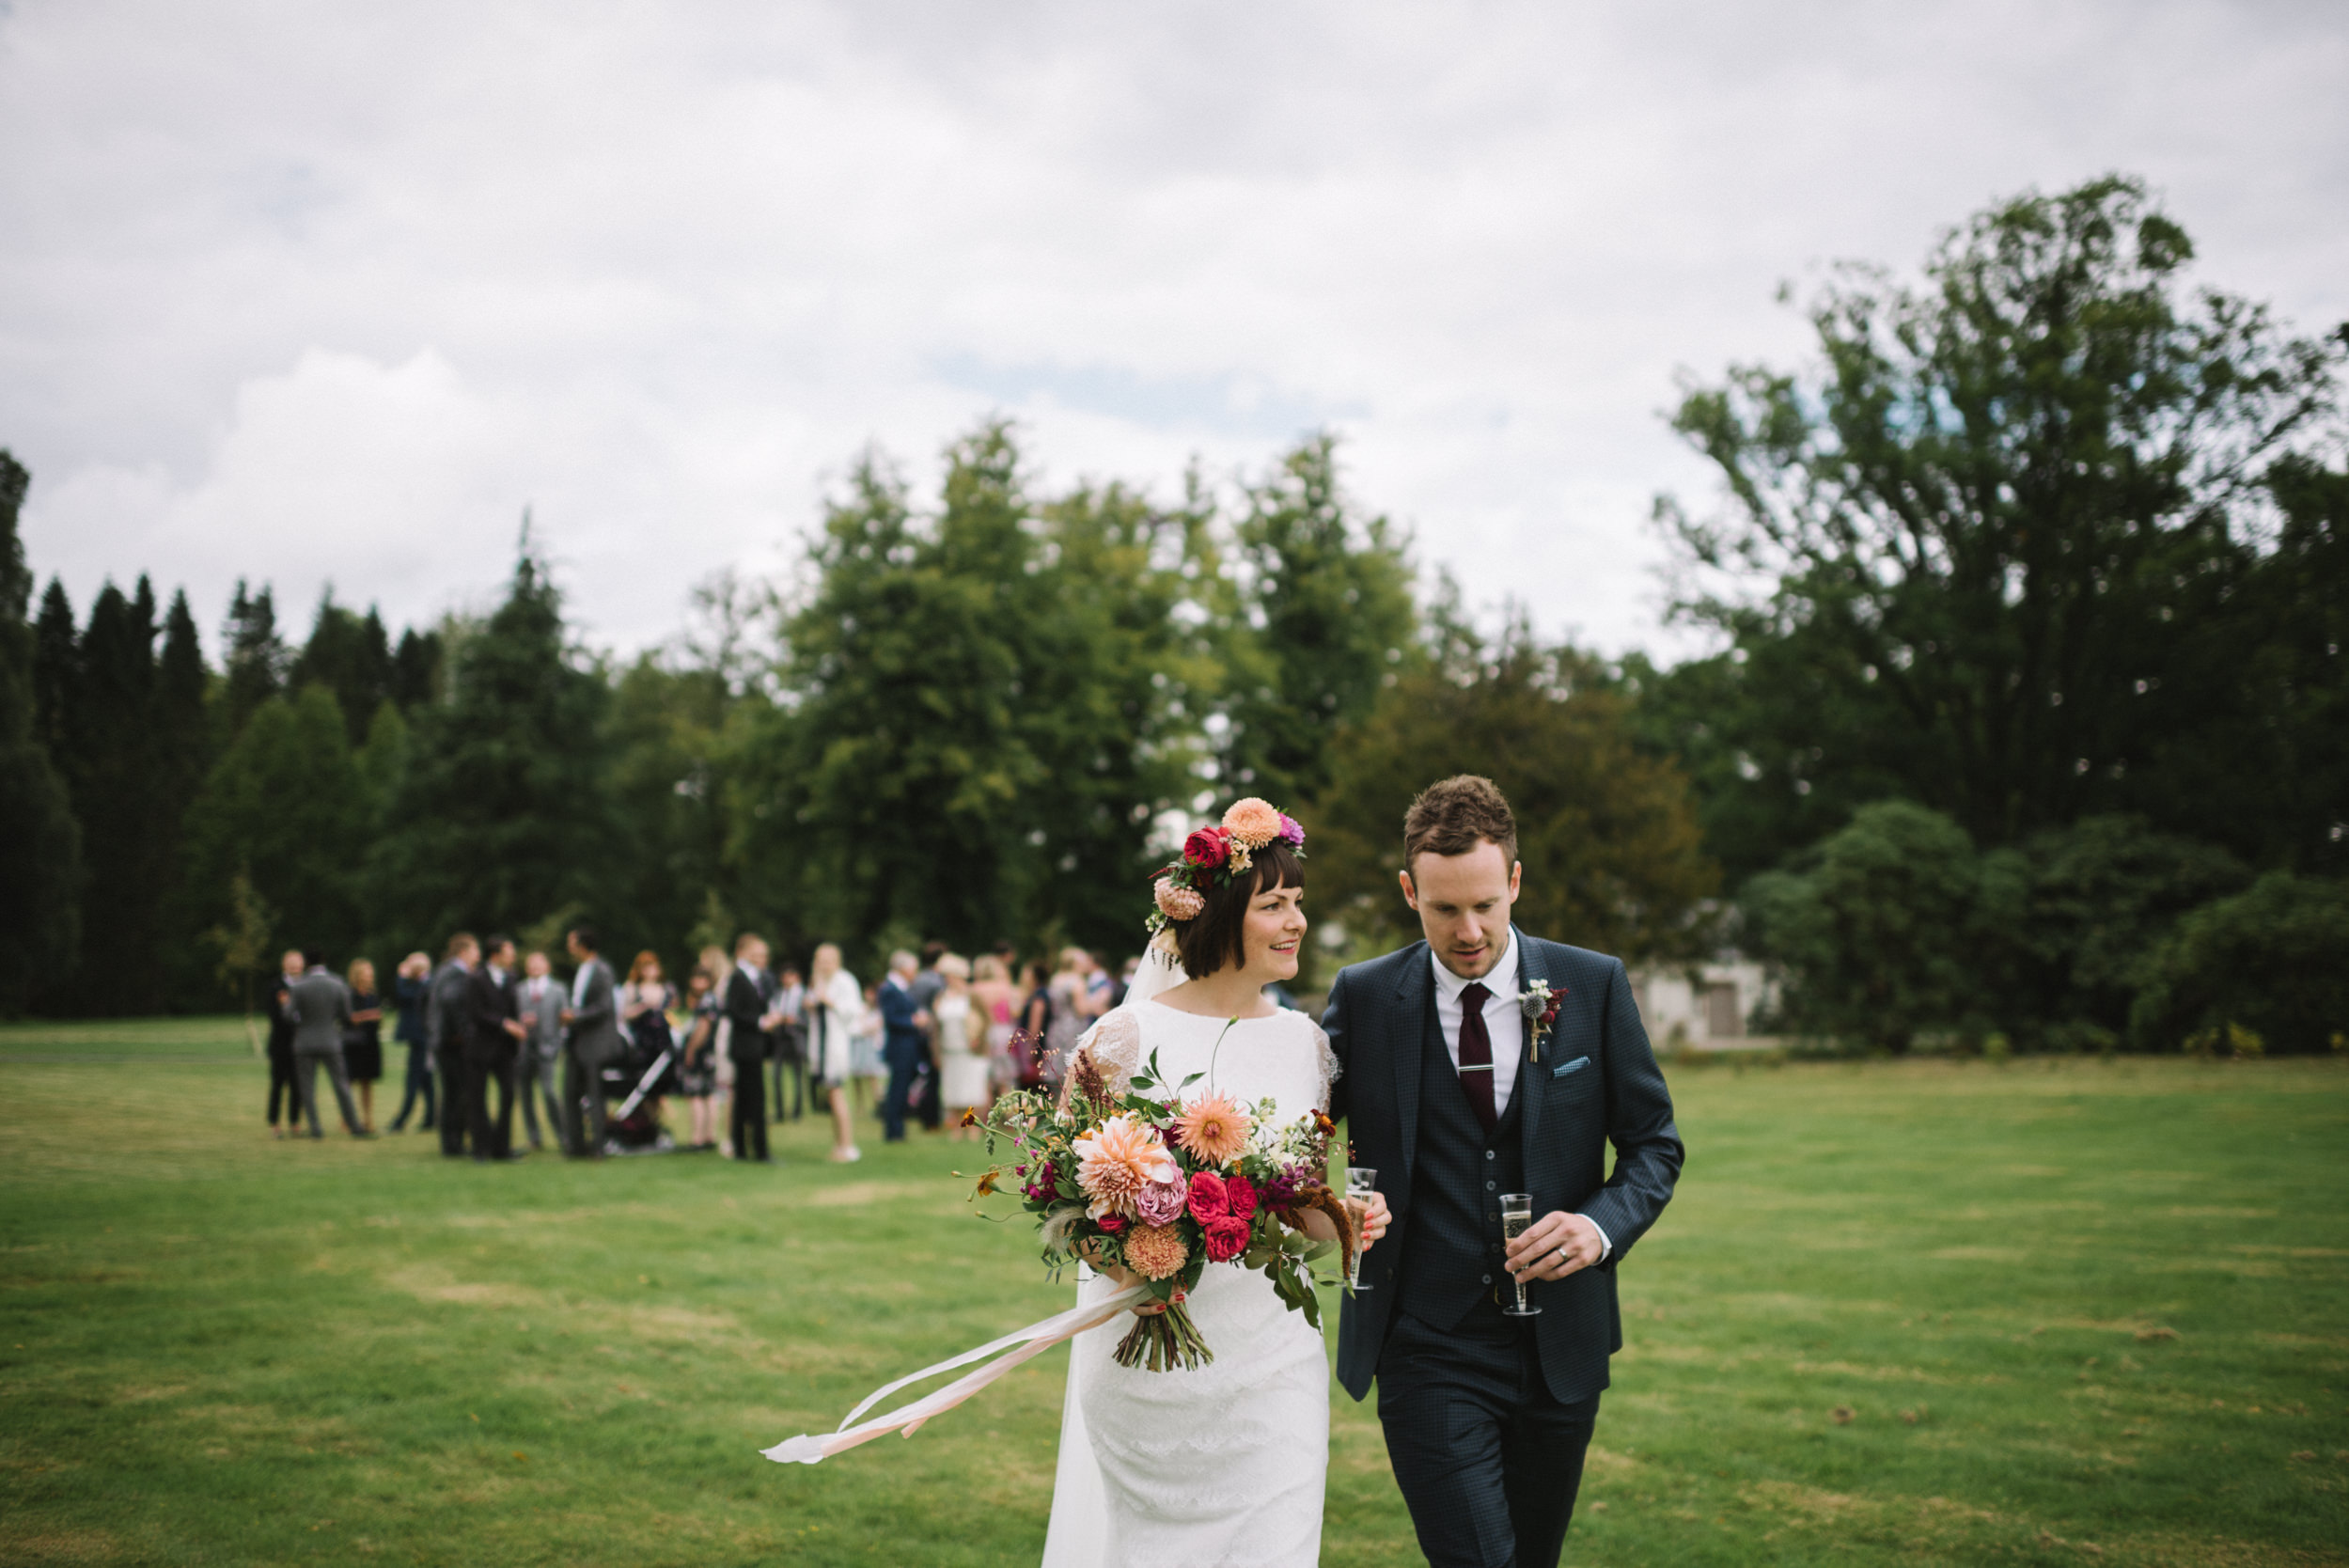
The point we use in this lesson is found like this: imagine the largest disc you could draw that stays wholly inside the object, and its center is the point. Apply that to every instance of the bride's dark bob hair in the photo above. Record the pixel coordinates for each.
(1216, 936)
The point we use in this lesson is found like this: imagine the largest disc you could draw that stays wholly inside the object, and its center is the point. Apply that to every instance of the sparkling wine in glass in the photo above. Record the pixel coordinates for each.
(1516, 1218)
(1360, 1182)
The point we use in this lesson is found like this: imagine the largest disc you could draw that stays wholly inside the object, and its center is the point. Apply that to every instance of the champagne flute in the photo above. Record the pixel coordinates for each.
(1516, 1218)
(1360, 1182)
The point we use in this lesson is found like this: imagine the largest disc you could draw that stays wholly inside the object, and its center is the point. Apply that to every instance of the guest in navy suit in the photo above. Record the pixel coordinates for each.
(902, 1045)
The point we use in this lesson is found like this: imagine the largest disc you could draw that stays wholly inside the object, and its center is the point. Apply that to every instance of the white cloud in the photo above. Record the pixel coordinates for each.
(304, 299)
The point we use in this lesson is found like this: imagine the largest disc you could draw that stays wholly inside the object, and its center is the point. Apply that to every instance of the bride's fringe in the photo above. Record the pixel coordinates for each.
(1165, 1341)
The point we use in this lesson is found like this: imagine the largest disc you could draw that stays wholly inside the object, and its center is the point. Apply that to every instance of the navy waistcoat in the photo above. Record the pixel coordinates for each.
(1451, 1254)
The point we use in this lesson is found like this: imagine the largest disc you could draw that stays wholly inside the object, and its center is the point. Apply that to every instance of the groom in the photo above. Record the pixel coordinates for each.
(1454, 1095)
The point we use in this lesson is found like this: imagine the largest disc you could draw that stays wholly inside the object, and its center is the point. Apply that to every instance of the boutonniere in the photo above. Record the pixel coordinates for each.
(1539, 1005)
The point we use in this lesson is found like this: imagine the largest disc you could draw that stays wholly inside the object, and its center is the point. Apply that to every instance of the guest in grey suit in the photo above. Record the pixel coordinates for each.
(591, 1041)
(321, 1006)
(536, 1070)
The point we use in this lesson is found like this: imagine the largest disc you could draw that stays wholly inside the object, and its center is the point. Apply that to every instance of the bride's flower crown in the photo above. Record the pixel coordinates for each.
(1212, 856)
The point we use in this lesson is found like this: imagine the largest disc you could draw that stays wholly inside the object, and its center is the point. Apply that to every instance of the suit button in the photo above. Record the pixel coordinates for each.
(1490, 1185)
(1488, 1153)
(1488, 1278)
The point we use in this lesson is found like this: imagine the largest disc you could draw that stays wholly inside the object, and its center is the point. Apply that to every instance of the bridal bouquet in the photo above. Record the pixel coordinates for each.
(1165, 1188)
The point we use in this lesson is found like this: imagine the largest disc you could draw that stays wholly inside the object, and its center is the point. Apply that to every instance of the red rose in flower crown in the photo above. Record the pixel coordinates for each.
(1208, 848)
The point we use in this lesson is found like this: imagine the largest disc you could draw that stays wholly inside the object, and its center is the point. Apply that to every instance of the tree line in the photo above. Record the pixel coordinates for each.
(2029, 721)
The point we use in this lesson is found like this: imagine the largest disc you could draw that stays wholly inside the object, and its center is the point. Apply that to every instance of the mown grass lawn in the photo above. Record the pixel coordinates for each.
(1900, 1314)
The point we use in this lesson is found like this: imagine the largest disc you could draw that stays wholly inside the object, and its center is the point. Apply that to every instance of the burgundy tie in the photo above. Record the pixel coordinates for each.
(1476, 1055)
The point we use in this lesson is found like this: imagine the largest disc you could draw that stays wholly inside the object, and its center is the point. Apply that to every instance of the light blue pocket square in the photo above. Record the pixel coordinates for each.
(1565, 1067)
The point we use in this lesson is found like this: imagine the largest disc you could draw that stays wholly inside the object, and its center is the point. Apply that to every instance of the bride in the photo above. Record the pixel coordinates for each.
(1222, 1464)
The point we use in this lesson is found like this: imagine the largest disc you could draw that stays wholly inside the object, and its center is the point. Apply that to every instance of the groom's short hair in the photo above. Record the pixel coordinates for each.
(1456, 815)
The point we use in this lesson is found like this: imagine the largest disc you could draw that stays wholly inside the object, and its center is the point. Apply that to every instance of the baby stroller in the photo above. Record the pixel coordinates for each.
(633, 1082)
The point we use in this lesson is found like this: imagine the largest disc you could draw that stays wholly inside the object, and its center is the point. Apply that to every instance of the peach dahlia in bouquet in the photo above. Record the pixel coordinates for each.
(1165, 1187)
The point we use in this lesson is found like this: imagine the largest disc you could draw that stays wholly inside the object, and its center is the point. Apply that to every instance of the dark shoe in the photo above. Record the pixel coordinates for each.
(509, 1154)
(480, 1159)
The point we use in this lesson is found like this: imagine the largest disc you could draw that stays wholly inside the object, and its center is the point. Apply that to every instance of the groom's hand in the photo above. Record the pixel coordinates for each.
(1554, 1247)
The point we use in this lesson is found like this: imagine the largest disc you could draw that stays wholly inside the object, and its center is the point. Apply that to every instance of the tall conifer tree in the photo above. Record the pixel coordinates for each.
(39, 842)
(502, 816)
(255, 654)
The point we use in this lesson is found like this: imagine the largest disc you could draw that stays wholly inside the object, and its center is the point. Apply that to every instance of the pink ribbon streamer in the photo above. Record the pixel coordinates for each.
(1023, 1345)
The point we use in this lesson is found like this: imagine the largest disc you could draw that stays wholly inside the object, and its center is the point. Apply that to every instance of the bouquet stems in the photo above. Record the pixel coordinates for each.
(1164, 1342)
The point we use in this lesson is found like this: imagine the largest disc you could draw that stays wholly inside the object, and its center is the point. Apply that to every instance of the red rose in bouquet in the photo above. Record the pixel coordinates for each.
(1226, 1238)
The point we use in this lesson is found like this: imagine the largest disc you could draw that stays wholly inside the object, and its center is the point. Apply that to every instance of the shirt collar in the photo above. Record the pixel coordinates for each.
(1451, 985)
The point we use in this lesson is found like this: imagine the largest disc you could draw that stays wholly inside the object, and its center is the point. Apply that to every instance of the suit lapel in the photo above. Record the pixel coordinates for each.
(1412, 992)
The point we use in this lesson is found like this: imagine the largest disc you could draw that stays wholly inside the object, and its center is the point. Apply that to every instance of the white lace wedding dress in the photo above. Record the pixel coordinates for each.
(1222, 1466)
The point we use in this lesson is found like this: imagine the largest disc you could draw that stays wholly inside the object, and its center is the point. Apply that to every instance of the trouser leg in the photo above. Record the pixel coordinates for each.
(526, 1078)
(567, 1106)
(504, 1069)
(893, 1103)
(281, 1090)
(454, 1119)
(551, 1091)
(1542, 1449)
(480, 1070)
(598, 1116)
(1488, 1463)
(340, 1072)
(408, 1093)
(933, 1110)
(749, 1125)
(583, 1106)
(305, 1082)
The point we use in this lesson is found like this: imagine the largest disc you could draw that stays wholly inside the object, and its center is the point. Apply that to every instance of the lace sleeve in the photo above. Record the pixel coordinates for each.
(1114, 1045)
(1327, 1058)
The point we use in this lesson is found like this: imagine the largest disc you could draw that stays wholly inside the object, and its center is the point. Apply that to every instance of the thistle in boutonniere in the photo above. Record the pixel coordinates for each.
(1539, 1005)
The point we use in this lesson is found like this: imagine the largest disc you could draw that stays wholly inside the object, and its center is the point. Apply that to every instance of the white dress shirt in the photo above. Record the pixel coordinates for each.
(579, 986)
(1503, 1021)
(1504, 1024)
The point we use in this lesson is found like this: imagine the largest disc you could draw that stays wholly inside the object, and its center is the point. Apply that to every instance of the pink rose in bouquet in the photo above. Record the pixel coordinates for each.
(1162, 1202)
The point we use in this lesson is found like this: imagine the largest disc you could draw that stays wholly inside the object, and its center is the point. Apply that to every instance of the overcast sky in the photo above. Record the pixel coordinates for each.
(311, 293)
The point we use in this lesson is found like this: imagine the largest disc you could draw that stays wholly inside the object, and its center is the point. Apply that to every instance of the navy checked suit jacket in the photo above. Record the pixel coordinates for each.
(1597, 1083)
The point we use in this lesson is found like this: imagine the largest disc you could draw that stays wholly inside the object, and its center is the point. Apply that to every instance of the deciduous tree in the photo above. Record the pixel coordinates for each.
(1610, 846)
(2008, 533)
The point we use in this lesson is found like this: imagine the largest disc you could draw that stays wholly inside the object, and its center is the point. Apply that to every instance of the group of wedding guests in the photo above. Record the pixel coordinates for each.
(486, 1029)
(480, 1028)
(938, 1035)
